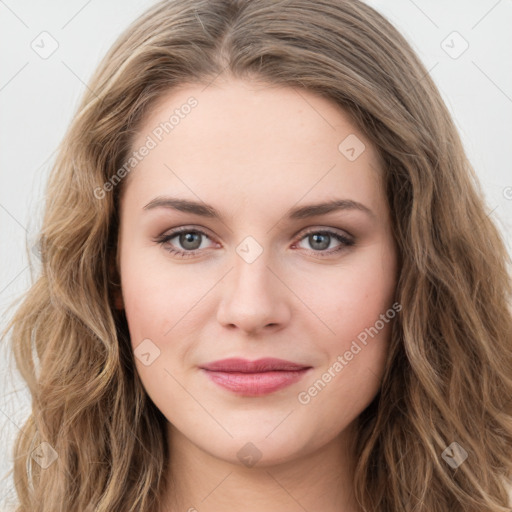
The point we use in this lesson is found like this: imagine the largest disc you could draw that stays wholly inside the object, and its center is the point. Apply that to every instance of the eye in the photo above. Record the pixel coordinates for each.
(189, 239)
(320, 240)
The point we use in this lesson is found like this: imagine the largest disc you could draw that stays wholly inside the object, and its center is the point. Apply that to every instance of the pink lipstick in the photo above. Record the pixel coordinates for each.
(254, 378)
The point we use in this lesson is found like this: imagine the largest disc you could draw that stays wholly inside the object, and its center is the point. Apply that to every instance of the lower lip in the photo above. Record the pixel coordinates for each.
(255, 384)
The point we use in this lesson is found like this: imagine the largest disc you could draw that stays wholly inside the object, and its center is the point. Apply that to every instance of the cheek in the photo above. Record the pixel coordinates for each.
(352, 297)
(155, 295)
(144, 306)
(150, 314)
(357, 309)
(147, 311)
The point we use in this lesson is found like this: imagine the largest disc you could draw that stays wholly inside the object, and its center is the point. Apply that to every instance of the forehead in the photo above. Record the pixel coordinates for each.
(240, 139)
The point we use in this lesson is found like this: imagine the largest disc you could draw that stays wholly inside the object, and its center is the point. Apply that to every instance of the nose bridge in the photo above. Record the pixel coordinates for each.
(251, 273)
(252, 298)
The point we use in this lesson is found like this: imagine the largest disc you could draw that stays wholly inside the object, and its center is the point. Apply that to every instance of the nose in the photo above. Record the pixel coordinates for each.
(254, 298)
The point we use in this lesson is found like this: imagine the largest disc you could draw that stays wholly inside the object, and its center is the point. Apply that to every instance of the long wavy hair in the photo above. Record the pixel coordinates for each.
(448, 375)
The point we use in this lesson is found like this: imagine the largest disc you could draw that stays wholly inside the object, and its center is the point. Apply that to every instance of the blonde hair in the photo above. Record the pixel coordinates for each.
(448, 376)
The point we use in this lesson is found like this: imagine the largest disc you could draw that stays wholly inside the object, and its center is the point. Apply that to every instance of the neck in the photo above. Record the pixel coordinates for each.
(316, 480)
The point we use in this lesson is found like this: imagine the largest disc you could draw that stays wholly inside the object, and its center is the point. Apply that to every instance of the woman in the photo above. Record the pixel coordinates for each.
(371, 372)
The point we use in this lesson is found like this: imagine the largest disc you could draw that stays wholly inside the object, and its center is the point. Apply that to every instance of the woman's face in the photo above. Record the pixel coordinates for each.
(258, 271)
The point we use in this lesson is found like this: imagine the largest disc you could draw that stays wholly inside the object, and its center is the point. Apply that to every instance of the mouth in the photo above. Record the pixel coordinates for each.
(254, 378)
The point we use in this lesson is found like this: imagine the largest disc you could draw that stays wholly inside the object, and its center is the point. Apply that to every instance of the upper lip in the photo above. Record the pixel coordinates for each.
(266, 364)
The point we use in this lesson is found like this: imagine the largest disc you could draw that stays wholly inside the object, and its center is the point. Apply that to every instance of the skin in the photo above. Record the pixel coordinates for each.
(253, 151)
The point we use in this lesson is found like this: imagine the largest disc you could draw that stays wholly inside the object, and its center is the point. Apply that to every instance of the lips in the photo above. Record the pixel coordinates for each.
(254, 378)
(267, 364)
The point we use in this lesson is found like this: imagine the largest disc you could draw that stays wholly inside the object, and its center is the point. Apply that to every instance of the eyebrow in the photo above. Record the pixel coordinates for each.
(296, 213)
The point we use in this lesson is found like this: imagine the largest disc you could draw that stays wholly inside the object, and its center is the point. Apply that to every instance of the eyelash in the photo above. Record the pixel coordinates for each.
(163, 239)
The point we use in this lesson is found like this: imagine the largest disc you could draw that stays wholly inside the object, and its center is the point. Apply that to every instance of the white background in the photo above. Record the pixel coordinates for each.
(39, 96)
